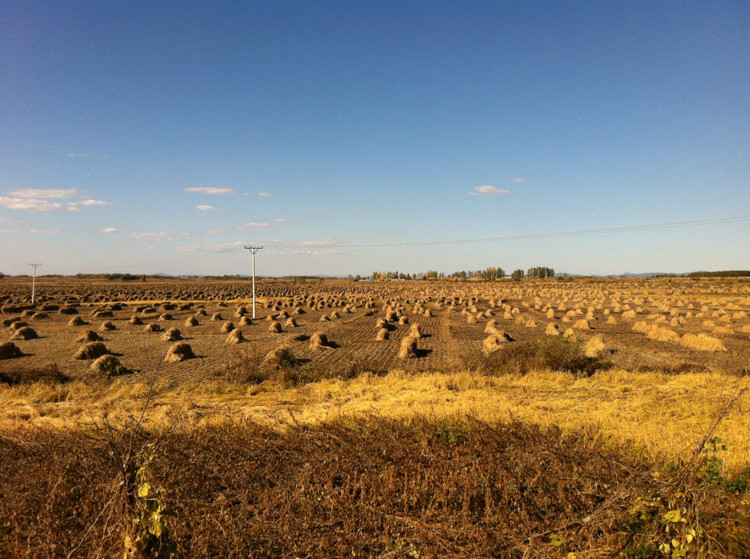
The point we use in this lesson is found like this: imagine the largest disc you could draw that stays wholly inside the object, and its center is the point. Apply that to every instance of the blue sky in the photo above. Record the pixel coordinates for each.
(349, 137)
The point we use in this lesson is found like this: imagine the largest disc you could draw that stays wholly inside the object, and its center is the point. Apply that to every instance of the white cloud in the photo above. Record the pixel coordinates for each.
(206, 208)
(518, 179)
(265, 194)
(9, 231)
(32, 205)
(54, 193)
(252, 225)
(215, 231)
(225, 247)
(488, 191)
(281, 219)
(209, 190)
(111, 230)
(76, 206)
(327, 242)
(44, 232)
(157, 236)
(93, 203)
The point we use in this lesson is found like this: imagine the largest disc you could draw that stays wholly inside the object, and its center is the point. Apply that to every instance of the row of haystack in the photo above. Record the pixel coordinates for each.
(701, 342)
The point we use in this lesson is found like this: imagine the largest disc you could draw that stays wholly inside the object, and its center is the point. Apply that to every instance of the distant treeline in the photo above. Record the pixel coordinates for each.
(491, 273)
(113, 277)
(724, 274)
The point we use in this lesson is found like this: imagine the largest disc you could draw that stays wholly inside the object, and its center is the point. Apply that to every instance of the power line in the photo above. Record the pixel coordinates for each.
(622, 229)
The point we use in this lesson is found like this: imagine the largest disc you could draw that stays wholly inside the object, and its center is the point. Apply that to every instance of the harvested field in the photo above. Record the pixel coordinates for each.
(516, 411)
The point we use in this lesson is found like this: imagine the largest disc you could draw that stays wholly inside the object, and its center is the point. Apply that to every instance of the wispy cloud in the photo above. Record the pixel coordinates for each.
(265, 194)
(9, 231)
(111, 230)
(76, 206)
(281, 219)
(206, 208)
(251, 225)
(44, 232)
(209, 190)
(78, 155)
(224, 247)
(326, 242)
(215, 231)
(487, 190)
(48, 193)
(30, 204)
(308, 252)
(519, 179)
(157, 236)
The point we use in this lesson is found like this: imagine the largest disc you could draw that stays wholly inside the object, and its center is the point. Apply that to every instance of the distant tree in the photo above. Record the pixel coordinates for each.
(517, 274)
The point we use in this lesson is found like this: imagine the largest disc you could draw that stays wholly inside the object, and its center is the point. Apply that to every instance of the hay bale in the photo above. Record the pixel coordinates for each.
(493, 342)
(663, 335)
(275, 327)
(552, 329)
(9, 350)
(91, 350)
(530, 323)
(25, 333)
(428, 313)
(382, 335)
(191, 321)
(89, 336)
(415, 331)
(153, 327)
(107, 326)
(611, 319)
(68, 311)
(569, 334)
(282, 356)
(217, 317)
(109, 365)
(702, 342)
(408, 349)
(319, 341)
(179, 352)
(245, 321)
(491, 327)
(594, 346)
(381, 323)
(17, 325)
(290, 323)
(172, 335)
(76, 321)
(582, 324)
(235, 337)
(166, 316)
(226, 327)
(403, 320)
(135, 320)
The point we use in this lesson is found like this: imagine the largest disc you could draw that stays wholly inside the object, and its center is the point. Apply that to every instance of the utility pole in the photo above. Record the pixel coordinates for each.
(253, 249)
(33, 282)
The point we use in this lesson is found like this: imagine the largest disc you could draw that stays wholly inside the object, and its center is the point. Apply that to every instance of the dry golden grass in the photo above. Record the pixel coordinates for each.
(661, 413)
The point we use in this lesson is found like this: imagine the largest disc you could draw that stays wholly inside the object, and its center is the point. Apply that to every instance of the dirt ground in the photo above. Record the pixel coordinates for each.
(452, 316)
